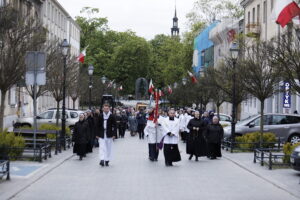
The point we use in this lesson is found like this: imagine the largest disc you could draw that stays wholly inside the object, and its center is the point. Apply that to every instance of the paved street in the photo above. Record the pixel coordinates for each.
(132, 177)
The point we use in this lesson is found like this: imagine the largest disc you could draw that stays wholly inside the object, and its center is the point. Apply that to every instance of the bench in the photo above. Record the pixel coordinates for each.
(38, 148)
(4, 169)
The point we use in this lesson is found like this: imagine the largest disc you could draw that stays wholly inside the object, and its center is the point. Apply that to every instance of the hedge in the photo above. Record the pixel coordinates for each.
(251, 139)
(288, 149)
(10, 140)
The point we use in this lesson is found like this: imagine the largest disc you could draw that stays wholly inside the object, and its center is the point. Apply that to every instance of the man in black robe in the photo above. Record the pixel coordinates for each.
(196, 144)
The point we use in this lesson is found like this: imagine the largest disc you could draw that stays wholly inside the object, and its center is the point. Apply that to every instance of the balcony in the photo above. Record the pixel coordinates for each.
(253, 30)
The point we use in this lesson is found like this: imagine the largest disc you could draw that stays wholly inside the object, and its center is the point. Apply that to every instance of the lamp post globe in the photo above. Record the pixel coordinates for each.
(234, 51)
(184, 81)
(103, 79)
(65, 46)
(90, 72)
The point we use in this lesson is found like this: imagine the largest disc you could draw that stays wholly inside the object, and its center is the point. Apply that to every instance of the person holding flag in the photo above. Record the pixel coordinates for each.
(154, 129)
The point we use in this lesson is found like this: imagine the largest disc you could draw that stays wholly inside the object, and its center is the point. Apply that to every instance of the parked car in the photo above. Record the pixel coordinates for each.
(295, 159)
(49, 117)
(285, 126)
(225, 120)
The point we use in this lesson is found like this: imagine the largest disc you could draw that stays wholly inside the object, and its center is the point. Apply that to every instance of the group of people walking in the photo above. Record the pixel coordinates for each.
(202, 134)
(95, 129)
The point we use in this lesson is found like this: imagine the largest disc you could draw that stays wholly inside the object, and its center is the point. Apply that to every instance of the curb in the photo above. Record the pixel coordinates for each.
(56, 165)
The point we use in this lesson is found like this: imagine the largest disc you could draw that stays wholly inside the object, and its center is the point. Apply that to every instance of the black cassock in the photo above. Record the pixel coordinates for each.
(80, 137)
(171, 153)
(196, 143)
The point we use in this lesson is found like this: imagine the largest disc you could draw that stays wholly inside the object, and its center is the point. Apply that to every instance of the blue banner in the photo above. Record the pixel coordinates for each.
(287, 95)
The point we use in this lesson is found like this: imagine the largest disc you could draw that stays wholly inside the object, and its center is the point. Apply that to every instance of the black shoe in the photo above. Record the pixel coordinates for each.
(80, 158)
(106, 163)
(151, 159)
(191, 156)
(102, 163)
(196, 159)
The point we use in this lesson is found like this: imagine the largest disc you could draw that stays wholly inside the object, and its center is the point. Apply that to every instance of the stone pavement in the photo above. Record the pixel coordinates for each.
(132, 176)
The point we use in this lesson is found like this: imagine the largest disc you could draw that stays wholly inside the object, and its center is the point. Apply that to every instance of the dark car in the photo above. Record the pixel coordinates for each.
(295, 159)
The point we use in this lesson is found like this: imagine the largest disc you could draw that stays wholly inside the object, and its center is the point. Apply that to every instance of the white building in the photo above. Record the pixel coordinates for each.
(60, 26)
(222, 36)
(259, 21)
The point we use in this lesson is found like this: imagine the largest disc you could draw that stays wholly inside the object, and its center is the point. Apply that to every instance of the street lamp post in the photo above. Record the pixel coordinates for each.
(234, 50)
(103, 80)
(65, 50)
(90, 72)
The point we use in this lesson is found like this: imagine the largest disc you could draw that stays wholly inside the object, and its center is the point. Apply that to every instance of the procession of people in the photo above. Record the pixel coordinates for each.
(200, 132)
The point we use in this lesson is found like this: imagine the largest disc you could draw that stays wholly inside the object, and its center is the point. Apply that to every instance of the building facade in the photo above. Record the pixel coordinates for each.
(260, 22)
(60, 26)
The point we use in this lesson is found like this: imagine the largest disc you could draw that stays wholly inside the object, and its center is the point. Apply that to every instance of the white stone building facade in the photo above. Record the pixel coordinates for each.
(60, 26)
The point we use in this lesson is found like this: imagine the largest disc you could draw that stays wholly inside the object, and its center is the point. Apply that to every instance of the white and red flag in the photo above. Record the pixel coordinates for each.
(110, 84)
(170, 89)
(194, 79)
(151, 87)
(120, 88)
(285, 11)
(161, 94)
(82, 55)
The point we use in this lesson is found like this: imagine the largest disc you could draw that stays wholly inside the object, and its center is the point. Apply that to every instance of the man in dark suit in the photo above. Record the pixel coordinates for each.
(106, 134)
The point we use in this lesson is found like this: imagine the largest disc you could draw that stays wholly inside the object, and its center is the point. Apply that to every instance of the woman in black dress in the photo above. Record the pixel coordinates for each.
(80, 137)
(214, 135)
(196, 144)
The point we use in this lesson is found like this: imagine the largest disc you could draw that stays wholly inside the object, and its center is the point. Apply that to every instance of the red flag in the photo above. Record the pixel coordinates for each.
(170, 90)
(285, 11)
(231, 35)
(151, 87)
(82, 55)
(194, 79)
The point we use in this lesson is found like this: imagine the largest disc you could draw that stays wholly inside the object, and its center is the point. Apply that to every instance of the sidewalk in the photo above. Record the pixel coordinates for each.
(285, 179)
(131, 176)
(26, 173)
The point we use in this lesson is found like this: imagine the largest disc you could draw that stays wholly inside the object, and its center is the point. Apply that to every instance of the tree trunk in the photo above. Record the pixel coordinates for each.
(218, 111)
(57, 112)
(262, 105)
(2, 109)
(74, 100)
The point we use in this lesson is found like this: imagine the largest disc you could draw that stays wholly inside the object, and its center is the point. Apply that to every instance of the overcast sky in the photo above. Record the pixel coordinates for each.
(145, 17)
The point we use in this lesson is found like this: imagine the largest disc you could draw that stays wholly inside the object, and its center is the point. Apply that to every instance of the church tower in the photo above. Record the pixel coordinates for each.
(175, 29)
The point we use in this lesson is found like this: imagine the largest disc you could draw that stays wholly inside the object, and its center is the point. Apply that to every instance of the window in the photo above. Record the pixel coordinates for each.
(60, 115)
(292, 119)
(46, 115)
(258, 13)
(267, 120)
(73, 115)
(253, 15)
(272, 4)
(249, 16)
(279, 119)
(265, 12)
(2, 2)
(224, 118)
